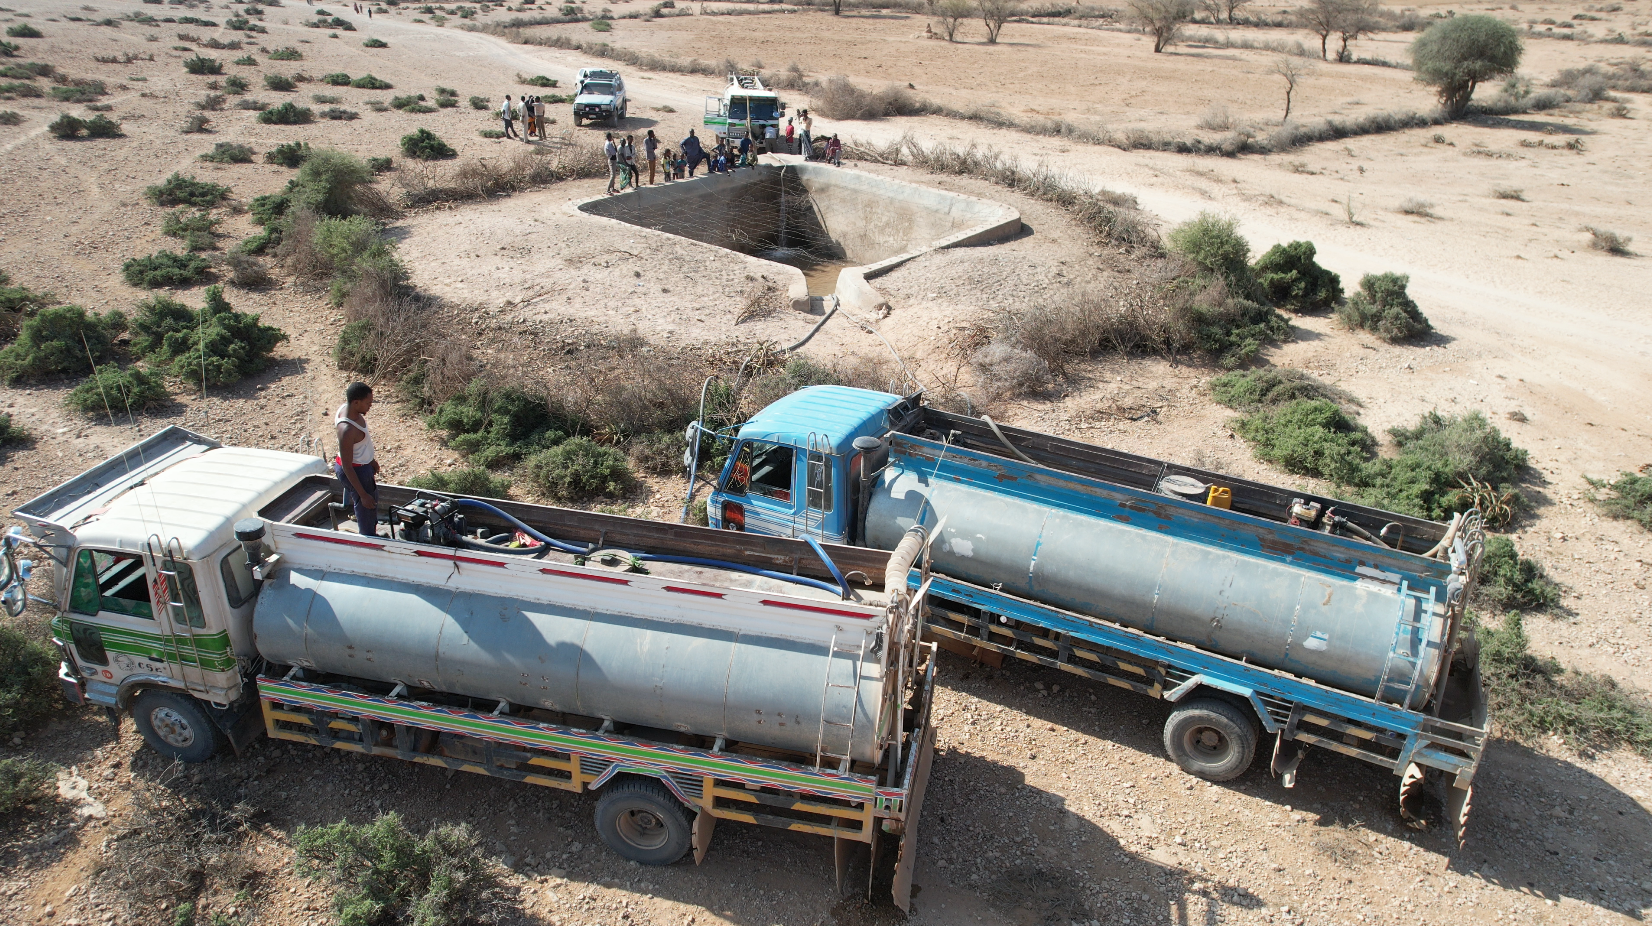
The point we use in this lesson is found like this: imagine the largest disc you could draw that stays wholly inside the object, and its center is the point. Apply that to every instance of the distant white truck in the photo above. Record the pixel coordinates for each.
(599, 93)
(746, 105)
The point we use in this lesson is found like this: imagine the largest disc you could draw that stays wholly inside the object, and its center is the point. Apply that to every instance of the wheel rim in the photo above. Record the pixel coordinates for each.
(1207, 744)
(172, 727)
(643, 829)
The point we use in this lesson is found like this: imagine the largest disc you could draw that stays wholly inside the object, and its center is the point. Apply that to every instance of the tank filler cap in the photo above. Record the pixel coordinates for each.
(248, 529)
(1181, 486)
(867, 443)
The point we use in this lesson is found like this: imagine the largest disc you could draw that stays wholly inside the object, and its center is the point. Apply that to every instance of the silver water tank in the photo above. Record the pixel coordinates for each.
(1335, 630)
(672, 675)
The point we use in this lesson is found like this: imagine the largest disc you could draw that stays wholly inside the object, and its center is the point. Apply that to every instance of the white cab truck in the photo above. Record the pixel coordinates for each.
(746, 105)
(687, 674)
(599, 93)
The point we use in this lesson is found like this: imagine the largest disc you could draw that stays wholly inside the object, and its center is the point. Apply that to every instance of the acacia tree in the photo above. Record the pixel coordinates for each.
(995, 13)
(1232, 8)
(1293, 71)
(951, 13)
(1356, 18)
(1162, 19)
(1456, 55)
(1322, 17)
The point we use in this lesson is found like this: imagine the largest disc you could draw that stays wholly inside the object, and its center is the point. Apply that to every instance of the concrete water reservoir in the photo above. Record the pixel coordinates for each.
(832, 228)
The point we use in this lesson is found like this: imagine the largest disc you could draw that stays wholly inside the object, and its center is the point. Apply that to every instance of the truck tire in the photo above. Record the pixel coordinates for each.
(1210, 739)
(175, 726)
(639, 819)
(576, 120)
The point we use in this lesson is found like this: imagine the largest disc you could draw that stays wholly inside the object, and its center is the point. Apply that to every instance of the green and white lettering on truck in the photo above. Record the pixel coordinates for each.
(152, 590)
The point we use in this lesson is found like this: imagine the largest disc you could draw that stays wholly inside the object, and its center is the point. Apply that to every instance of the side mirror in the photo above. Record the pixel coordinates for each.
(14, 596)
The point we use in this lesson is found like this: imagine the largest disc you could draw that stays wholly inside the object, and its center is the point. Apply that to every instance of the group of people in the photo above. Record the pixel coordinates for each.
(625, 170)
(531, 110)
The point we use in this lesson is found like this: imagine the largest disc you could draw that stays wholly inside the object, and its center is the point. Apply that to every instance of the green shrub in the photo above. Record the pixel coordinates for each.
(67, 127)
(58, 340)
(286, 53)
(375, 43)
(1249, 390)
(424, 145)
(387, 875)
(197, 229)
(228, 152)
(497, 425)
(246, 61)
(1440, 462)
(339, 79)
(1630, 498)
(24, 31)
(1511, 582)
(280, 82)
(339, 114)
(578, 469)
(369, 82)
(164, 269)
(116, 392)
(292, 154)
(1534, 696)
(288, 113)
(1228, 327)
(236, 344)
(1289, 277)
(1383, 307)
(81, 91)
(602, 25)
(179, 190)
(11, 434)
(1309, 437)
(480, 102)
(235, 83)
(1214, 244)
(101, 126)
(10, 117)
(200, 64)
(657, 452)
(329, 183)
(356, 349)
(407, 102)
(28, 680)
(472, 480)
(380, 165)
(491, 133)
(24, 781)
(538, 80)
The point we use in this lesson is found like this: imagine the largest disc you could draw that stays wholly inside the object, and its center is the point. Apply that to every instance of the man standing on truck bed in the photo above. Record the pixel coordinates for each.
(355, 445)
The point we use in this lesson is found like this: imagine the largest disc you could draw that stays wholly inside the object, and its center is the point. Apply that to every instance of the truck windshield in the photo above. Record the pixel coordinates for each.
(595, 89)
(742, 108)
(762, 469)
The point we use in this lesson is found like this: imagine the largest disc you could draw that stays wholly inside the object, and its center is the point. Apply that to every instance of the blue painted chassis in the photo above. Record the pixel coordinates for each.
(1281, 701)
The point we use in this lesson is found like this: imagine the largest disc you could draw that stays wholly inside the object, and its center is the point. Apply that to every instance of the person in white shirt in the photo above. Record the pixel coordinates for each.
(508, 113)
(356, 464)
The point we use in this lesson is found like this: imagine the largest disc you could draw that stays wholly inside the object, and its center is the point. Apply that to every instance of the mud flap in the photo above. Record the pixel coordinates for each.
(840, 858)
(907, 860)
(700, 837)
(1459, 801)
(1412, 786)
(1286, 759)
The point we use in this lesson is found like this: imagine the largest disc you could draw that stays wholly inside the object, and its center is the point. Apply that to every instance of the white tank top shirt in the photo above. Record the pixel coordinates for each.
(362, 453)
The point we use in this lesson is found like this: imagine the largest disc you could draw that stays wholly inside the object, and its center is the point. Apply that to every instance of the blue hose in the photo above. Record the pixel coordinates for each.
(684, 560)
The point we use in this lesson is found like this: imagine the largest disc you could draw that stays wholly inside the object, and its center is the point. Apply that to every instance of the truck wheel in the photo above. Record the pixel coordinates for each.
(1211, 739)
(576, 120)
(643, 822)
(175, 726)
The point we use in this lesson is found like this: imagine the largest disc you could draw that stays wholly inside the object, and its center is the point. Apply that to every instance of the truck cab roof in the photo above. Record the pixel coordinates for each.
(192, 491)
(835, 415)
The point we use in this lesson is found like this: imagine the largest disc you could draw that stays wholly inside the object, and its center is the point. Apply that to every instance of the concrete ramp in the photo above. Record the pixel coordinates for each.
(807, 216)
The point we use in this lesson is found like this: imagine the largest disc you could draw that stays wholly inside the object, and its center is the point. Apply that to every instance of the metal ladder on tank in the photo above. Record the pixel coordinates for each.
(177, 614)
(1403, 629)
(821, 753)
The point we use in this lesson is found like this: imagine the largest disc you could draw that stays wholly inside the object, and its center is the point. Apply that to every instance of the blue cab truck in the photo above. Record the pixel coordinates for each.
(1257, 610)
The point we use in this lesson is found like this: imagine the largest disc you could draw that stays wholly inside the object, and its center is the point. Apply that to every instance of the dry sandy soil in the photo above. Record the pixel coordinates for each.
(1050, 803)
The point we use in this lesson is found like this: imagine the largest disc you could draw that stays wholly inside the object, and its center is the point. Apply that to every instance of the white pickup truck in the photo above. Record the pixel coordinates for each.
(689, 674)
(599, 93)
